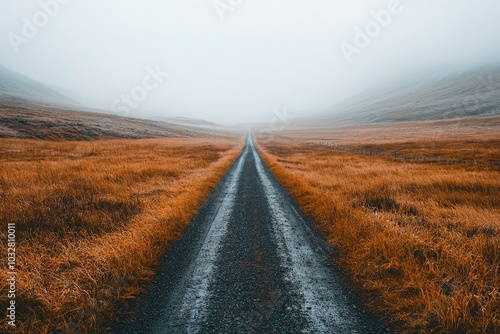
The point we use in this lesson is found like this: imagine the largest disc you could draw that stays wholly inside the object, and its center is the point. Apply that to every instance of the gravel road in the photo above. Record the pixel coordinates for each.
(249, 263)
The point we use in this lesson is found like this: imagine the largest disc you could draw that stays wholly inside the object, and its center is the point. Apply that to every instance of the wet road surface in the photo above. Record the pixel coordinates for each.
(249, 263)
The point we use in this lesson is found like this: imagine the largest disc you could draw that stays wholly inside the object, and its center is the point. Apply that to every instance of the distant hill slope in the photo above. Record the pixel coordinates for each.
(472, 93)
(19, 88)
(21, 120)
(188, 121)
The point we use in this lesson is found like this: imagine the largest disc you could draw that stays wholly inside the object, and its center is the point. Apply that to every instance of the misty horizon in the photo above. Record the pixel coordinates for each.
(237, 62)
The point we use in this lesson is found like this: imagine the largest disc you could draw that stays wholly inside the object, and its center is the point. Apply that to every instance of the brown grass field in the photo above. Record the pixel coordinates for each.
(421, 240)
(461, 140)
(92, 219)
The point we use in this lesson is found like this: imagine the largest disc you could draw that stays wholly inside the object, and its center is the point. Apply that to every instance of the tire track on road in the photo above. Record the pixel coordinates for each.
(193, 292)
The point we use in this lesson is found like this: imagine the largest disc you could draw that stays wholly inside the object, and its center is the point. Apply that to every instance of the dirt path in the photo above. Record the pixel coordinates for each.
(249, 263)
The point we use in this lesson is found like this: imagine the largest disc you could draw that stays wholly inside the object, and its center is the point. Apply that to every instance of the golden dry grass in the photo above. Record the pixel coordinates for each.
(463, 140)
(421, 240)
(93, 218)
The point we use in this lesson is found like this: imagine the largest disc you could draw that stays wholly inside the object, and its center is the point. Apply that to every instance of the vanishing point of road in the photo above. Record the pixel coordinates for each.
(249, 263)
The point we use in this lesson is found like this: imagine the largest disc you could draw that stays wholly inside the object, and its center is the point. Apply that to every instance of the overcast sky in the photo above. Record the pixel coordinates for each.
(237, 60)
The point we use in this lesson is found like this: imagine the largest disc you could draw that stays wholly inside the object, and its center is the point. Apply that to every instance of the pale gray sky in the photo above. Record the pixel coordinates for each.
(237, 60)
